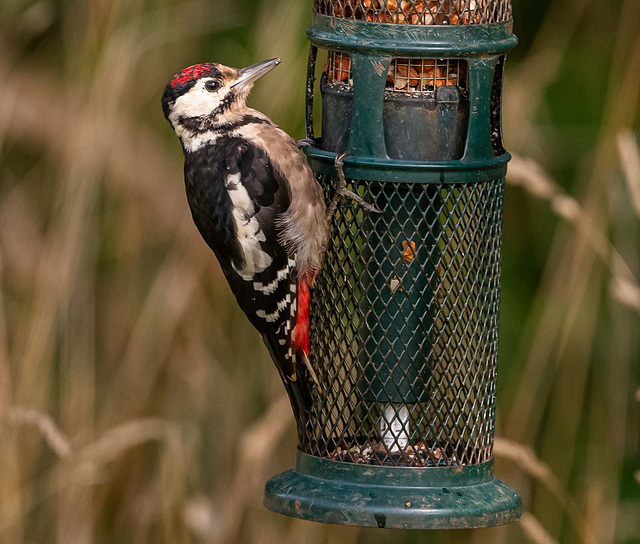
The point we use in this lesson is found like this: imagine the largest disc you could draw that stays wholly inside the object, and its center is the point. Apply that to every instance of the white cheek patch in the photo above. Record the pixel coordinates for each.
(247, 230)
(197, 102)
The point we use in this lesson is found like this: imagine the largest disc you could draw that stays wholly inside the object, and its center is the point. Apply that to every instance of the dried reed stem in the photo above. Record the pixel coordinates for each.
(531, 176)
(52, 435)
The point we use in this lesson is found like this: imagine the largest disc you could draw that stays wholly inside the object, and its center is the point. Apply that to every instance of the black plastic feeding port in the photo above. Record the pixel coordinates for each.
(425, 110)
(404, 312)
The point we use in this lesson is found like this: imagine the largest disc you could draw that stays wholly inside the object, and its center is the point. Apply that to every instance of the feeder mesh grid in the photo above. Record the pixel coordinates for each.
(405, 315)
(406, 75)
(418, 12)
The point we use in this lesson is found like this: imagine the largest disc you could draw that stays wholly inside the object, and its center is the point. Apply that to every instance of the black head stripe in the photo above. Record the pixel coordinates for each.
(229, 99)
(197, 125)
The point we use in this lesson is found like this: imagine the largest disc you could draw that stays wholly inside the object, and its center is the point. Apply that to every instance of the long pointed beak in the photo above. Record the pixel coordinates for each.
(251, 73)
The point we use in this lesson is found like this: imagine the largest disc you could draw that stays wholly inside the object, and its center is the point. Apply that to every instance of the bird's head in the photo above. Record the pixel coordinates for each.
(205, 95)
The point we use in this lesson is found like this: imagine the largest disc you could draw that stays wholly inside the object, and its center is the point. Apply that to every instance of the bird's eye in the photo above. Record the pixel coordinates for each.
(212, 85)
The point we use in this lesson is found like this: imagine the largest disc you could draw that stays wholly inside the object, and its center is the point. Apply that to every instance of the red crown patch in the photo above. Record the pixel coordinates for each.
(191, 73)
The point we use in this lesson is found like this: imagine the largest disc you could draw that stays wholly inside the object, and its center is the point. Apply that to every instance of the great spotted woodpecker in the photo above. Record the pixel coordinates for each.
(256, 203)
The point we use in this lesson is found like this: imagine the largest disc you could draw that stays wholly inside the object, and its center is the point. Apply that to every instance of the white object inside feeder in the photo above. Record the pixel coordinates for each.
(394, 427)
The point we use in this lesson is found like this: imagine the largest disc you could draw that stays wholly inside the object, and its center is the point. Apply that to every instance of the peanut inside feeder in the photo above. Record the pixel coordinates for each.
(413, 12)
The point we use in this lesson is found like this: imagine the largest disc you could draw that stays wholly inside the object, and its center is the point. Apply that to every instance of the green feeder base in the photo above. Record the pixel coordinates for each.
(392, 497)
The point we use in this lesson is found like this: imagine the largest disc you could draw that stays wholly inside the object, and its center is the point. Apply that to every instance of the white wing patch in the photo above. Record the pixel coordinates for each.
(247, 230)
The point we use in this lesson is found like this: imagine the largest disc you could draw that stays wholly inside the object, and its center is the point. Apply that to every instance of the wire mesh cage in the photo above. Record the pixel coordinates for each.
(418, 12)
(404, 312)
(404, 329)
(405, 75)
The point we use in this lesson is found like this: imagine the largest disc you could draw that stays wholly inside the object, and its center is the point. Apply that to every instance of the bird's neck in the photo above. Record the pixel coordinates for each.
(196, 132)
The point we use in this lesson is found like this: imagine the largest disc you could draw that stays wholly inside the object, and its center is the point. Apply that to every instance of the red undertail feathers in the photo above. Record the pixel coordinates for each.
(300, 336)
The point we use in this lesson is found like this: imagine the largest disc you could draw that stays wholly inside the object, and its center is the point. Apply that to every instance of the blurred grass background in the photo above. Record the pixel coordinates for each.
(137, 405)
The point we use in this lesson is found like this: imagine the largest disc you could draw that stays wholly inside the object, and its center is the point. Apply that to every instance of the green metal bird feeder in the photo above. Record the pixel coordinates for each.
(404, 313)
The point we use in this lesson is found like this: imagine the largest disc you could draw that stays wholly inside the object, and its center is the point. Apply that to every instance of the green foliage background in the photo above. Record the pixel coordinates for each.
(136, 402)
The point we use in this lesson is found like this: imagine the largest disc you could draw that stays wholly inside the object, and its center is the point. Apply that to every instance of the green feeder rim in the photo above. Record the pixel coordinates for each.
(392, 497)
(440, 172)
(407, 40)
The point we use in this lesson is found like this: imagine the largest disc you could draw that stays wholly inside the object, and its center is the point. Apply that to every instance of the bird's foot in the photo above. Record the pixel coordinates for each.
(341, 190)
(305, 142)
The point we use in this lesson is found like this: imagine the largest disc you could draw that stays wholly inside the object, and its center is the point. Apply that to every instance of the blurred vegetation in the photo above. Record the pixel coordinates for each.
(137, 405)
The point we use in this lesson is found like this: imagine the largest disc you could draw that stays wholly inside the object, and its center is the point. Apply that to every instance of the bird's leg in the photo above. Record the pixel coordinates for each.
(341, 190)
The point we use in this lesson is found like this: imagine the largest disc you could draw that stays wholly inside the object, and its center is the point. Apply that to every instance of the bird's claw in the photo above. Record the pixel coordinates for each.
(339, 162)
(343, 192)
(305, 142)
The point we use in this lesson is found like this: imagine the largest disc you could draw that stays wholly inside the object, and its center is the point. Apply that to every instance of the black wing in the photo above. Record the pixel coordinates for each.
(214, 176)
(268, 297)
